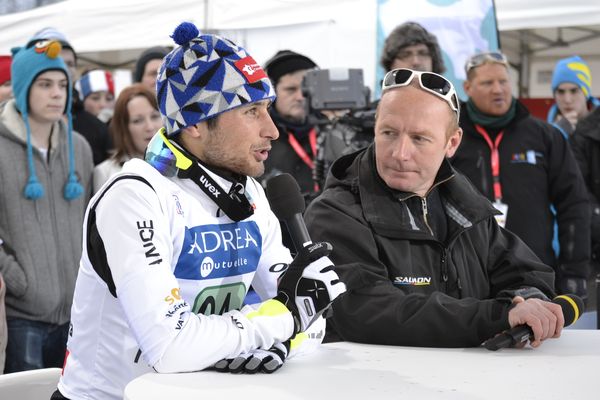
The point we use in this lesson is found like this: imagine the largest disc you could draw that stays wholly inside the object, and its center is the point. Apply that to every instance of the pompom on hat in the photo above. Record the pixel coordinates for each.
(28, 63)
(204, 76)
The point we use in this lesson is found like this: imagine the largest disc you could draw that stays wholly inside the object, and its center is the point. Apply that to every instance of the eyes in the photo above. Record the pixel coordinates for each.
(416, 138)
(47, 84)
(140, 119)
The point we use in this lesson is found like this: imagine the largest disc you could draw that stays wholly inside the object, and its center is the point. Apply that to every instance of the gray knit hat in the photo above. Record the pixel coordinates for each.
(410, 34)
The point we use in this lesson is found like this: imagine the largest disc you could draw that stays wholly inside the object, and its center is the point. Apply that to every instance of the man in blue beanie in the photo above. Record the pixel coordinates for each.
(46, 174)
(572, 91)
(173, 243)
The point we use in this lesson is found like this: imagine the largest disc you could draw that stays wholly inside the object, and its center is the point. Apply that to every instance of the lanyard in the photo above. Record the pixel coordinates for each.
(312, 140)
(495, 159)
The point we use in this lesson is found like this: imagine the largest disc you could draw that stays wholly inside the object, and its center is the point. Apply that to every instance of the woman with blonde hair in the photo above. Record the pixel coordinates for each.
(135, 120)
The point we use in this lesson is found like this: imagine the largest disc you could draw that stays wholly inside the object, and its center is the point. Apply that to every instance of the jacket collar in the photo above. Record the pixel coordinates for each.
(385, 209)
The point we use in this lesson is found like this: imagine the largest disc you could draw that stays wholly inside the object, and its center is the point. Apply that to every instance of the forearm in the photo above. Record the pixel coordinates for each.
(387, 316)
(204, 340)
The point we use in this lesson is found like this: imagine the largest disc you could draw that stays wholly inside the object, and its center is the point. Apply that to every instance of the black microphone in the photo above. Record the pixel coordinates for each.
(572, 308)
(287, 203)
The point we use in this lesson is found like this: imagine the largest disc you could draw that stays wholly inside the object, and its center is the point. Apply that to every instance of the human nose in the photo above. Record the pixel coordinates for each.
(268, 128)
(401, 149)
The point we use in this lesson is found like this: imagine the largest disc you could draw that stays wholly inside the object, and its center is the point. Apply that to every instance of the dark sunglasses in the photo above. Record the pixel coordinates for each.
(482, 58)
(428, 81)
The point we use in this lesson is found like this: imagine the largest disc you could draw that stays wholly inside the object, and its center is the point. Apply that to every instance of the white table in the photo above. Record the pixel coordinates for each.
(561, 369)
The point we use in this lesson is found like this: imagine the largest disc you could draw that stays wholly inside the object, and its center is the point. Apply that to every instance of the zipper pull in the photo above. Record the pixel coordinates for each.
(444, 267)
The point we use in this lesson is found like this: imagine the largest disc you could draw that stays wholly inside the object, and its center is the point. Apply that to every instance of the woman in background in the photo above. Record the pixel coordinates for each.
(135, 120)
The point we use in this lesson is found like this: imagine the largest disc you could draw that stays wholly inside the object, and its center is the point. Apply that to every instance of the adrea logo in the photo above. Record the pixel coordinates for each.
(250, 68)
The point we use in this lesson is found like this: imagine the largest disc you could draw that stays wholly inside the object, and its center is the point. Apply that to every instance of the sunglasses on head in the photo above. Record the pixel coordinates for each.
(482, 58)
(428, 81)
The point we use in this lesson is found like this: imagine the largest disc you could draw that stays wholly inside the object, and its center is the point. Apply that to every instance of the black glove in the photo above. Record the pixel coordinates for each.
(309, 285)
(258, 360)
(572, 285)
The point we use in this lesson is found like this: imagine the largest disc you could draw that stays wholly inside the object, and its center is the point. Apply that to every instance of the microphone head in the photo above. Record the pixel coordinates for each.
(572, 307)
(284, 196)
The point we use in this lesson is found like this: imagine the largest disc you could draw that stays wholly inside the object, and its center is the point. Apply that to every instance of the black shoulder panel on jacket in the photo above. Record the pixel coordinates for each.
(95, 245)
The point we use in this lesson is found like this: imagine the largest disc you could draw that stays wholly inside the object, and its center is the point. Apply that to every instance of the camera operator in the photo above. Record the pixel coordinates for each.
(295, 150)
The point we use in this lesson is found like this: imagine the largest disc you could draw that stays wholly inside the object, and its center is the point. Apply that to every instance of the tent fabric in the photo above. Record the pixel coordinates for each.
(134, 24)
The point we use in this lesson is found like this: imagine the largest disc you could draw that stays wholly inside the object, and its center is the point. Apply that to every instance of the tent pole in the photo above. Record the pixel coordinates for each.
(524, 64)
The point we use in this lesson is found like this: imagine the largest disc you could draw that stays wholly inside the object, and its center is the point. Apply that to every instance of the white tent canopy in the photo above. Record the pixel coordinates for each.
(335, 33)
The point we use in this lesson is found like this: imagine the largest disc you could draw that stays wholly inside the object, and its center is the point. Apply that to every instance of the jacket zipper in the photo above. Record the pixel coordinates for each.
(425, 213)
(444, 268)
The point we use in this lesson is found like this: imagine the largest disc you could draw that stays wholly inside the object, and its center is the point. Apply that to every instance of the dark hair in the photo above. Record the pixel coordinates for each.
(410, 34)
(119, 124)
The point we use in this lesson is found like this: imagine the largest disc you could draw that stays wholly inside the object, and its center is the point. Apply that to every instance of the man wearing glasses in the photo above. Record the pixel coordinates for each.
(524, 165)
(422, 256)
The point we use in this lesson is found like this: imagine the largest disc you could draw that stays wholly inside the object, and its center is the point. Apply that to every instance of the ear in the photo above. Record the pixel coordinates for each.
(192, 131)
(453, 142)
(467, 87)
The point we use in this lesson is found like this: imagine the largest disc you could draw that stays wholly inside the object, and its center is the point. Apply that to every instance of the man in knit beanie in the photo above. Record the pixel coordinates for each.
(411, 46)
(572, 91)
(147, 65)
(295, 150)
(46, 170)
(174, 242)
(84, 122)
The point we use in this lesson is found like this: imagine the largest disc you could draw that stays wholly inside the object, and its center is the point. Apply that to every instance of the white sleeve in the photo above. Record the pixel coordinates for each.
(136, 233)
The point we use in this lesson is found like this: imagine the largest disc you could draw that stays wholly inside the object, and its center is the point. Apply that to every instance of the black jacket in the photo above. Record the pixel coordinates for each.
(283, 158)
(537, 170)
(585, 143)
(406, 287)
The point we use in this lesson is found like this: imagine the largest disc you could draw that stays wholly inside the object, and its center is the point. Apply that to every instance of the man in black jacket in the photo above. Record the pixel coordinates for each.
(585, 142)
(295, 150)
(423, 259)
(525, 166)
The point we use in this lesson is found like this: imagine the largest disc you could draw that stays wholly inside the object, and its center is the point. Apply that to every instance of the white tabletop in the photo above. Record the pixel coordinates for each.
(565, 368)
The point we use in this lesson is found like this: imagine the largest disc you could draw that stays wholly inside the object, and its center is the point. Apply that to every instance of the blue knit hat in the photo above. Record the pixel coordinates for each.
(28, 63)
(572, 70)
(204, 76)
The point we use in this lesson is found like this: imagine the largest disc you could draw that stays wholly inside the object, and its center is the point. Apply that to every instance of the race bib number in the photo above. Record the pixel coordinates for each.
(220, 299)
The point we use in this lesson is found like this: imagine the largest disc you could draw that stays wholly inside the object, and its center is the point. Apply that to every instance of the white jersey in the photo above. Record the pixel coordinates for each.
(175, 265)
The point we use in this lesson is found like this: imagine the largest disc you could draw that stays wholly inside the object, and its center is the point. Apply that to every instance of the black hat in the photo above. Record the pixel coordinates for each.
(153, 53)
(285, 62)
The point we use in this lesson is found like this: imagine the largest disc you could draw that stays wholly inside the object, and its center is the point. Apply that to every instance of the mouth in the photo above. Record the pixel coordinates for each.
(261, 154)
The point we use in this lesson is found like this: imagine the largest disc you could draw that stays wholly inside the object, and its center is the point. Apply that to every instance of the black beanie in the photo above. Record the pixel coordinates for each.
(153, 53)
(285, 62)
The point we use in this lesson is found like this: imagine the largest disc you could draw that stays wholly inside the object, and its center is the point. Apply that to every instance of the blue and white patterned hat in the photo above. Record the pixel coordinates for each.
(204, 76)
